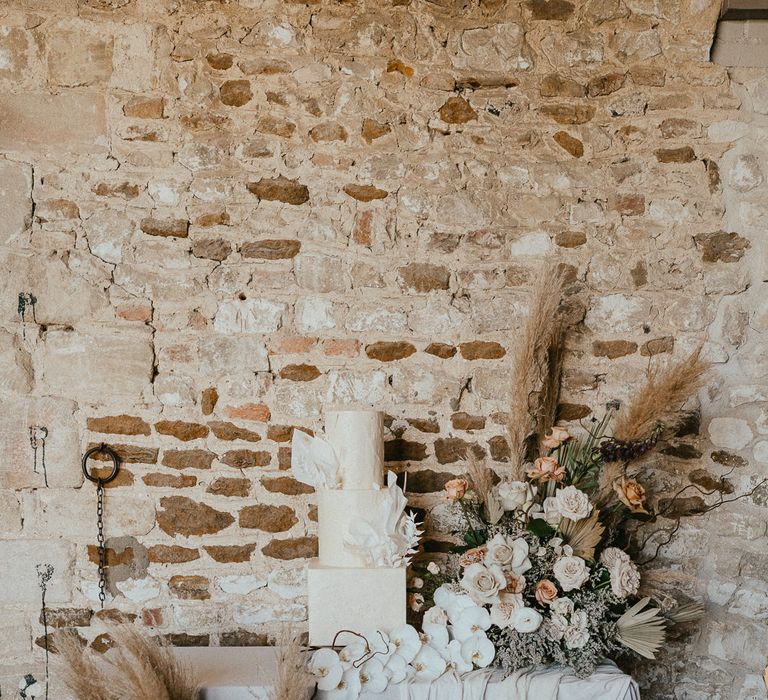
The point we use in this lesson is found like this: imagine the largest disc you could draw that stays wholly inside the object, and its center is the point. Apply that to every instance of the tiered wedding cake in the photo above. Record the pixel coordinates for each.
(365, 538)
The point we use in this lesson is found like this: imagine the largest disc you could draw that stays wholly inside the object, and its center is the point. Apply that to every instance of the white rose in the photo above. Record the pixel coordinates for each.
(625, 578)
(508, 554)
(562, 606)
(575, 637)
(556, 627)
(579, 619)
(570, 572)
(551, 514)
(515, 495)
(483, 583)
(572, 503)
(611, 555)
(526, 620)
(501, 612)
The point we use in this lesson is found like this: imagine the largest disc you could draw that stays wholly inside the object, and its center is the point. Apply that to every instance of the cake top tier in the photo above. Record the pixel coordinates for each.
(357, 438)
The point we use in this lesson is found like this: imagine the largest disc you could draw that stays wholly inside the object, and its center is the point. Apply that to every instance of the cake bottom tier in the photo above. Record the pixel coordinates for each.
(354, 599)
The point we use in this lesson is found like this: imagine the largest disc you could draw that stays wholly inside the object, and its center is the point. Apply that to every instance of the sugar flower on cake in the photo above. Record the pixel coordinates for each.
(508, 553)
(483, 583)
(325, 665)
(470, 621)
(406, 642)
(516, 495)
(428, 664)
(573, 503)
(571, 572)
(478, 650)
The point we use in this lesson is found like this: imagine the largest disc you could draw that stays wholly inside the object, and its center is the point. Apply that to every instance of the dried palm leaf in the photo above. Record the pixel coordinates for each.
(583, 535)
(661, 399)
(530, 352)
(480, 478)
(642, 629)
(686, 613)
(293, 681)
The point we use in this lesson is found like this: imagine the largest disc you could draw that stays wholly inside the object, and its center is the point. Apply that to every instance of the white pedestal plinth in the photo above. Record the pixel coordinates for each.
(353, 599)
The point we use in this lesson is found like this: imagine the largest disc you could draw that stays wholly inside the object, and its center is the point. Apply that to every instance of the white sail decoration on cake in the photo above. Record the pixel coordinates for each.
(365, 537)
(388, 535)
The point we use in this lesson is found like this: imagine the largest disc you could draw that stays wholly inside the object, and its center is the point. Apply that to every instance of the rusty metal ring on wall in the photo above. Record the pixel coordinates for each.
(106, 449)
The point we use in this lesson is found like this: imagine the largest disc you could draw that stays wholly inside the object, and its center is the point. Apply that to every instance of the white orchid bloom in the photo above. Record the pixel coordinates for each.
(428, 664)
(456, 660)
(434, 635)
(478, 650)
(349, 686)
(406, 641)
(453, 603)
(471, 621)
(325, 666)
(436, 616)
(352, 652)
(396, 668)
(372, 676)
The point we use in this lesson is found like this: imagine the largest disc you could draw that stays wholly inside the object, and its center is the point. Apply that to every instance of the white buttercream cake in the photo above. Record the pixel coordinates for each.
(346, 589)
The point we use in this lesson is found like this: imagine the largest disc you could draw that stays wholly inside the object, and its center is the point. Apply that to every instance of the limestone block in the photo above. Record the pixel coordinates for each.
(10, 522)
(249, 316)
(15, 202)
(72, 514)
(288, 583)
(259, 614)
(62, 443)
(26, 555)
(376, 318)
(15, 364)
(618, 313)
(348, 387)
(321, 273)
(232, 355)
(501, 46)
(98, 365)
(15, 635)
(730, 433)
(77, 56)
(315, 314)
(75, 122)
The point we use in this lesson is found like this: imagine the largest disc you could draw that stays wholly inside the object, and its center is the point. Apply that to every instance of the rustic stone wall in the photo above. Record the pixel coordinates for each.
(218, 217)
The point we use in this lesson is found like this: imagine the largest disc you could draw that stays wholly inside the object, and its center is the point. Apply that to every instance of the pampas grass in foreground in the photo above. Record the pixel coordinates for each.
(138, 667)
(531, 349)
(293, 681)
(661, 399)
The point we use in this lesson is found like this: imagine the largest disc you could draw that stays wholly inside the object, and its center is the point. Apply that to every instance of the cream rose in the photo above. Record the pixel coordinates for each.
(625, 578)
(483, 583)
(572, 503)
(575, 637)
(515, 495)
(502, 611)
(611, 555)
(507, 553)
(546, 591)
(571, 572)
(515, 582)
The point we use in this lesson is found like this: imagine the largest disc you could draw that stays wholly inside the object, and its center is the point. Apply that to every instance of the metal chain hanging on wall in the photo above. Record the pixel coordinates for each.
(100, 483)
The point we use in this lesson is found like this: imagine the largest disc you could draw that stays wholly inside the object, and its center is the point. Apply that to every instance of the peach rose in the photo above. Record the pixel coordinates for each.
(546, 591)
(631, 494)
(546, 469)
(475, 555)
(455, 489)
(556, 437)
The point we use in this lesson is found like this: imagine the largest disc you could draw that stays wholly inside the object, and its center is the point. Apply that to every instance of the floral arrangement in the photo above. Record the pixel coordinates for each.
(548, 571)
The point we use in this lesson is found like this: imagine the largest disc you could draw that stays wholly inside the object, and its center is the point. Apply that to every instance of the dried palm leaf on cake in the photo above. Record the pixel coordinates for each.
(531, 349)
(642, 629)
(136, 667)
(656, 408)
(584, 535)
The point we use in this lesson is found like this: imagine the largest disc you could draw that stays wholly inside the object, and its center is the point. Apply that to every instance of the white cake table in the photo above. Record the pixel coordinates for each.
(245, 673)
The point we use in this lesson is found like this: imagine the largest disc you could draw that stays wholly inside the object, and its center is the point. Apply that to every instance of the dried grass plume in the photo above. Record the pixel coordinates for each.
(137, 667)
(662, 398)
(531, 351)
(292, 681)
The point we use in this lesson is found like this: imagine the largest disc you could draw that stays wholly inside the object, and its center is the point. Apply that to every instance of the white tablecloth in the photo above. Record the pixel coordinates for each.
(245, 673)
